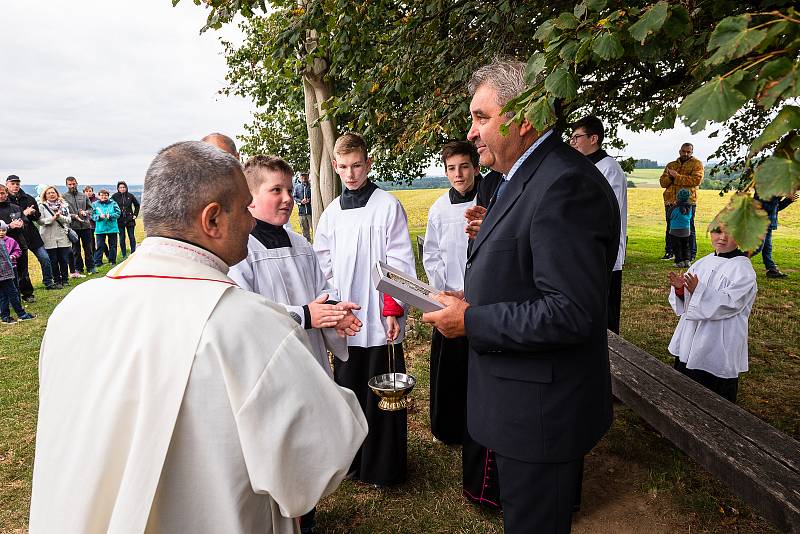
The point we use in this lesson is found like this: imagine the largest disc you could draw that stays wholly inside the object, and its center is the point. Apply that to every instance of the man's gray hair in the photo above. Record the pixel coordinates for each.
(227, 143)
(183, 179)
(505, 76)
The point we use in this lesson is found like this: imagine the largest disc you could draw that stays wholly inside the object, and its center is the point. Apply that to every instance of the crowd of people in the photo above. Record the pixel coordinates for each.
(68, 234)
(263, 406)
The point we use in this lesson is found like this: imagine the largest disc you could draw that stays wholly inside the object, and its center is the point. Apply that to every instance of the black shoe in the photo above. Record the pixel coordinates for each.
(53, 287)
(29, 299)
(775, 273)
(667, 256)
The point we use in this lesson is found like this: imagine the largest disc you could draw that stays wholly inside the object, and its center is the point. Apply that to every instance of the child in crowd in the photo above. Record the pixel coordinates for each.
(680, 219)
(363, 225)
(105, 213)
(9, 294)
(713, 299)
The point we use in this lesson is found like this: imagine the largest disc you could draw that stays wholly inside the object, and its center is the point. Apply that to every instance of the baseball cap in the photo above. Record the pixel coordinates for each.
(13, 178)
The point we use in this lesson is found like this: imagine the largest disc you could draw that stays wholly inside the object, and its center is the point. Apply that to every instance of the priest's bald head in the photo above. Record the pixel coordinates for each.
(195, 192)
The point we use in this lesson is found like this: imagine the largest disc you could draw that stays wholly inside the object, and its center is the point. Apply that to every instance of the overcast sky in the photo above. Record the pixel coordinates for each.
(94, 88)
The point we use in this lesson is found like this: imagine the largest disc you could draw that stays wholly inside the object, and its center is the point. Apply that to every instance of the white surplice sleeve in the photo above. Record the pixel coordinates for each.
(399, 253)
(337, 345)
(242, 273)
(678, 304)
(299, 431)
(728, 299)
(432, 259)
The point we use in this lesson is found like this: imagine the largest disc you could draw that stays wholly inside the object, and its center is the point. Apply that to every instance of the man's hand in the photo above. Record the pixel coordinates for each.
(450, 320)
(691, 282)
(392, 328)
(27, 211)
(672, 172)
(325, 315)
(16, 223)
(474, 217)
(349, 326)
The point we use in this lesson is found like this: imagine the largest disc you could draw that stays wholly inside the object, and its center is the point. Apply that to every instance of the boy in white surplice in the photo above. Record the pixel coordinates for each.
(282, 267)
(713, 299)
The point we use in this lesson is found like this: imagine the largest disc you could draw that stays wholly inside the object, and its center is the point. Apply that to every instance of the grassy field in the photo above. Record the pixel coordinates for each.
(630, 459)
(645, 177)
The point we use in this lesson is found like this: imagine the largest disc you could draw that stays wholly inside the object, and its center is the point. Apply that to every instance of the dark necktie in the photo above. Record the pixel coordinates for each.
(498, 192)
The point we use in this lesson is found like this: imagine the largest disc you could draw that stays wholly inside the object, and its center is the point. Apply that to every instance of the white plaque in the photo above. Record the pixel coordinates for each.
(405, 288)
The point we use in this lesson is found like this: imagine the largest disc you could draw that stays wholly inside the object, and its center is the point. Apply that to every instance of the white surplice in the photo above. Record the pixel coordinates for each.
(349, 242)
(619, 183)
(712, 331)
(444, 253)
(291, 276)
(196, 407)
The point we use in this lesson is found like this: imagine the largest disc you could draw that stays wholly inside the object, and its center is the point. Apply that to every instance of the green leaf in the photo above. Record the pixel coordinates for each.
(545, 31)
(777, 176)
(540, 114)
(561, 84)
(785, 87)
(568, 51)
(678, 22)
(787, 120)
(583, 49)
(733, 39)
(596, 5)
(668, 122)
(744, 220)
(566, 21)
(650, 22)
(716, 100)
(534, 66)
(607, 46)
(580, 10)
(774, 31)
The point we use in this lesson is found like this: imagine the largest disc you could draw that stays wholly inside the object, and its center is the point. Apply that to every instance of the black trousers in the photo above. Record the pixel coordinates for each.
(24, 278)
(448, 391)
(130, 230)
(59, 260)
(85, 239)
(614, 301)
(383, 456)
(537, 497)
(727, 388)
(481, 481)
(681, 247)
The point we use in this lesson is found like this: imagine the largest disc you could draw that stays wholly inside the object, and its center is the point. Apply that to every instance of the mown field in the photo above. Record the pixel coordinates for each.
(633, 473)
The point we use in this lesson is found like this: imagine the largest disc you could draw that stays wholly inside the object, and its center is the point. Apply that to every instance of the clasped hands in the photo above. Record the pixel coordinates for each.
(680, 282)
(338, 316)
(449, 320)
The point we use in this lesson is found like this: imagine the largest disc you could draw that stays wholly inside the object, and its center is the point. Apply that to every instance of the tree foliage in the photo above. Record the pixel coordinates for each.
(399, 72)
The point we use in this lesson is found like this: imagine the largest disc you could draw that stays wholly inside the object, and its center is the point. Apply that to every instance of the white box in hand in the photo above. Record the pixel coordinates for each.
(403, 287)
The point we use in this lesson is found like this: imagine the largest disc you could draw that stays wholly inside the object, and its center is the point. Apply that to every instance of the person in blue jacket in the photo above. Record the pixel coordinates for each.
(105, 213)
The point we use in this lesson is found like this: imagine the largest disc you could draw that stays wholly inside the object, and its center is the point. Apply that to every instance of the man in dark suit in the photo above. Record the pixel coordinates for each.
(534, 309)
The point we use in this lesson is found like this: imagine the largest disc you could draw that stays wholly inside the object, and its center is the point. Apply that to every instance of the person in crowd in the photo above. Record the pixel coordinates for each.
(772, 206)
(444, 255)
(713, 300)
(680, 222)
(28, 238)
(221, 436)
(534, 309)
(684, 172)
(302, 197)
(9, 295)
(80, 211)
(105, 213)
(129, 210)
(587, 138)
(11, 220)
(53, 227)
(363, 225)
(281, 266)
(89, 192)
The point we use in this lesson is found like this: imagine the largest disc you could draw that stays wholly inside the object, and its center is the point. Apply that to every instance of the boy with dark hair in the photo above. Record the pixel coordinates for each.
(363, 225)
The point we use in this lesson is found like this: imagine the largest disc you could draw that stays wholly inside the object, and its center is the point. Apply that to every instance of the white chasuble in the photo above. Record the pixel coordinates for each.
(183, 413)
(349, 242)
(712, 331)
(291, 276)
(444, 253)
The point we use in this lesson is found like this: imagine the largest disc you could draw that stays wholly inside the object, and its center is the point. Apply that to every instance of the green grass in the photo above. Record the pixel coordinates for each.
(431, 500)
(645, 177)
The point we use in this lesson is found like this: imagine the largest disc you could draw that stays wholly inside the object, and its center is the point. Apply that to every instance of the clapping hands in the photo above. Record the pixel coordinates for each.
(687, 281)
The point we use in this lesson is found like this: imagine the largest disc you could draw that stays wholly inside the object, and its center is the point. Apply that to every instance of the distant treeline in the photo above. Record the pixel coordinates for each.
(647, 164)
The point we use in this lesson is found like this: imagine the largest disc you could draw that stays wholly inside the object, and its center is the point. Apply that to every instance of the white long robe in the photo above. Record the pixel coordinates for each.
(205, 417)
(712, 331)
(349, 242)
(444, 253)
(619, 183)
(291, 276)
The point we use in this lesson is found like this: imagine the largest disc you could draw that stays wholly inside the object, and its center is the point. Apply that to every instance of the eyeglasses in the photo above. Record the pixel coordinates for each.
(575, 137)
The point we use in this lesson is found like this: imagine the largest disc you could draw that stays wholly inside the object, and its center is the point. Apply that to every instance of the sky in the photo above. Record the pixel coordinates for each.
(94, 88)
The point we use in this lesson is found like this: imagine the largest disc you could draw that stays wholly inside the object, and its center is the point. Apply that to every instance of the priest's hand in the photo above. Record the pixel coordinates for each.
(691, 282)
(350, 325)
(326, 315)
(450, 320)
(392, 328)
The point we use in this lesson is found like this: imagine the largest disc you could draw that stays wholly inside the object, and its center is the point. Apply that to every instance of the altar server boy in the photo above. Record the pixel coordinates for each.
(713, 300)
(444, 256)
(363, 225)
(282, 267)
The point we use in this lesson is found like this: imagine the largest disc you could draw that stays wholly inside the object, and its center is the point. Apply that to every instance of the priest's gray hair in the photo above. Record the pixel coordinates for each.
(183, 179)
(505, 76)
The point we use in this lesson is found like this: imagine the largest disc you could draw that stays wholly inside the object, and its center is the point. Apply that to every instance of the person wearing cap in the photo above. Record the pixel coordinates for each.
(29, 239)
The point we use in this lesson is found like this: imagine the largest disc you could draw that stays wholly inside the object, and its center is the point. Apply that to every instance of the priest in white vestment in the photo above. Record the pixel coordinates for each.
(210, 418)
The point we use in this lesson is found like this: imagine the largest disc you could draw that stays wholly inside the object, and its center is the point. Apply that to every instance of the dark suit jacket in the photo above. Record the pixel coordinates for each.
(537, 282)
